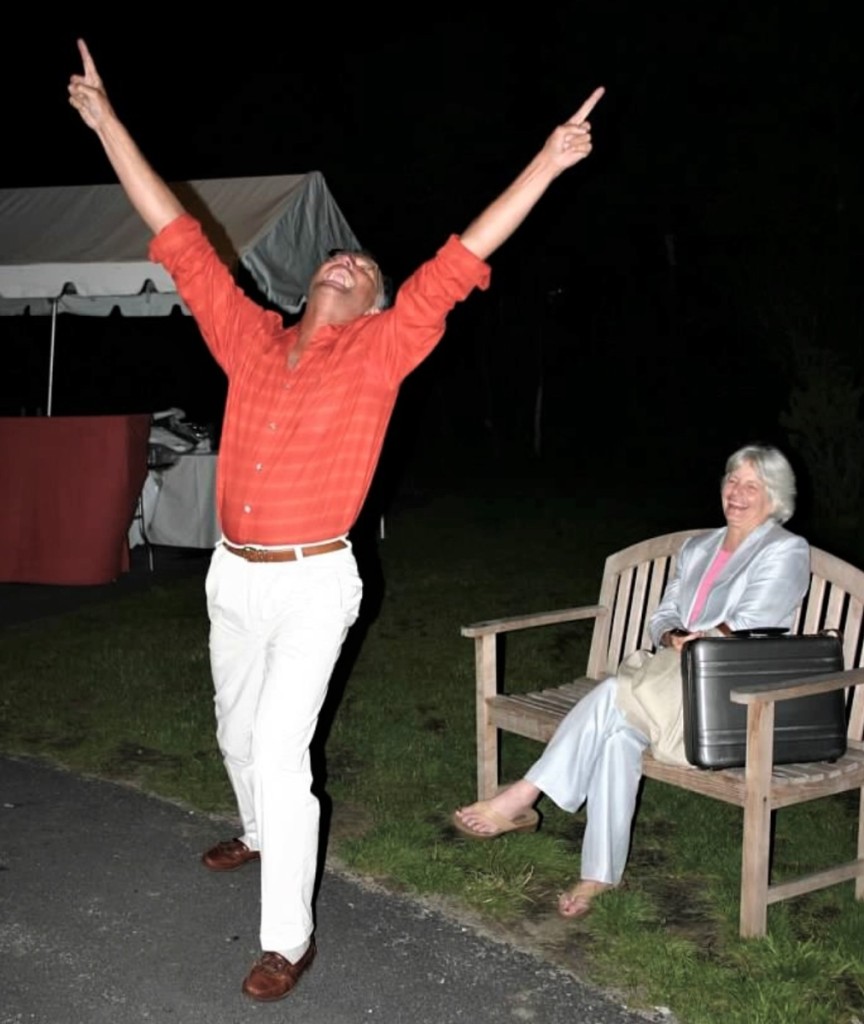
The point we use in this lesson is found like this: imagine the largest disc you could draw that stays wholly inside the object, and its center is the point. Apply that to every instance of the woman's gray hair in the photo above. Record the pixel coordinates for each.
(773, 469)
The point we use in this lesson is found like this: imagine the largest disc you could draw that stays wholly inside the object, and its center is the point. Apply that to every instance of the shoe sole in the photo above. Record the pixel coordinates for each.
(525, 823)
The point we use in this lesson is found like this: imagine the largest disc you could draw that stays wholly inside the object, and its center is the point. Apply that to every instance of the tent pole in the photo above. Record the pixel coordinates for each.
(54, 303)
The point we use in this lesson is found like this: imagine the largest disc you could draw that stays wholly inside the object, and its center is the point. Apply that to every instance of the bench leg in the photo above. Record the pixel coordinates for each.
(485, 650)
(756, 845)
(859, 881)
(755, 865)
(487, 769)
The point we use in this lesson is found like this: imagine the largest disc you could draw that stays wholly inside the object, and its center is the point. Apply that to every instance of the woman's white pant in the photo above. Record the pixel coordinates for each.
(595, 758)
(276, 629)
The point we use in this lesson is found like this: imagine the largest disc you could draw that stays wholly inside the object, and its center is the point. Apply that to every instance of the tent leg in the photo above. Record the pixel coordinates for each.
(54, 304)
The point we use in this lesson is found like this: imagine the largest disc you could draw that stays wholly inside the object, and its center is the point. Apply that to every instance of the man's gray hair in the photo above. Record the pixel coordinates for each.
(773, 469)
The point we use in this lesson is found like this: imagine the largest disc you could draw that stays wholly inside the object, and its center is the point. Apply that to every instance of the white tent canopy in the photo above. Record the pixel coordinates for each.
(83, 249)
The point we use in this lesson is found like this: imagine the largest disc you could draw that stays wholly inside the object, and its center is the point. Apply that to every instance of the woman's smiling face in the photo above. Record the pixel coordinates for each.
(746, 502)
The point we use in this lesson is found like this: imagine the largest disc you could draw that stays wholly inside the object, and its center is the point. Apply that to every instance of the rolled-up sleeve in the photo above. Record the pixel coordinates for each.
(226, 316)
(409, 331)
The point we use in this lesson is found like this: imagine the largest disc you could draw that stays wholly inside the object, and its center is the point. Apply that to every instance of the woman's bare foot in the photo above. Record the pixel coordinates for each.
(510, 810)
(576, 901)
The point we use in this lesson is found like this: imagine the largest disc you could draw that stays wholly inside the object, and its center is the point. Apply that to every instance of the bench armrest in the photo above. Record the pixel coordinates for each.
(759, 757)
(509, 625)
(761, 694)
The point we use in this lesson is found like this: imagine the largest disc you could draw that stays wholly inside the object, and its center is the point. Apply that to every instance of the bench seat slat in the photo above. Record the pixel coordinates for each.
(537, 715)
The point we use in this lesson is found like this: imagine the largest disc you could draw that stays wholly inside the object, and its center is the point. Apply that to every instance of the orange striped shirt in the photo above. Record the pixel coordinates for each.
(299, 446)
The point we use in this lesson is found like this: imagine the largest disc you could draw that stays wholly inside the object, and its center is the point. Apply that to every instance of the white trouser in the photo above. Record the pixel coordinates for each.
(276, 629)
(595, 758)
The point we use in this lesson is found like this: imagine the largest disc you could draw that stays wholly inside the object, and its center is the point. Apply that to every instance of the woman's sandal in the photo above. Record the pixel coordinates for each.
(527, 821)
(576, 901)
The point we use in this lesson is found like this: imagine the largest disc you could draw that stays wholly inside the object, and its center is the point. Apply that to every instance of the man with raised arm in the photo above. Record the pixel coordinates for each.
(305, 418)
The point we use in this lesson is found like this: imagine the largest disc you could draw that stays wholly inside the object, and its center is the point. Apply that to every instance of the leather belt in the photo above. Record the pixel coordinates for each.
(284, 554)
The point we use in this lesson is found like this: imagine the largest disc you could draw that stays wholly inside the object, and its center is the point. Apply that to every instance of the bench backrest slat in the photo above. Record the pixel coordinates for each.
(633, 583)
(836, 601)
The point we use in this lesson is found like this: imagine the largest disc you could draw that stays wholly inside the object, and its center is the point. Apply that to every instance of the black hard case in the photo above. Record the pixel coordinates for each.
(805, 729)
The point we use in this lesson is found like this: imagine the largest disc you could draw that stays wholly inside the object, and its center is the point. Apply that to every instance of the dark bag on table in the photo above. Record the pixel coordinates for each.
(805, 729)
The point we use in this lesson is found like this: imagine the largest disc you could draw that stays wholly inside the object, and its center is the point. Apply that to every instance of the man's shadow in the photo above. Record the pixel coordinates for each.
(365, 539)
(366, 536)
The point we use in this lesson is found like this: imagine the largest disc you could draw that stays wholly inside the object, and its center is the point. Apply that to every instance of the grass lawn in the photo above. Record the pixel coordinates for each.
(123, 691)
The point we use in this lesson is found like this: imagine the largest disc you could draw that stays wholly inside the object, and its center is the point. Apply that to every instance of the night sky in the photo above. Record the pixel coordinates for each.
(716, 226)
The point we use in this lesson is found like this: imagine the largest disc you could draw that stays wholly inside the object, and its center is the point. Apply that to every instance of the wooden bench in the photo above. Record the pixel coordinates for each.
(633, 582)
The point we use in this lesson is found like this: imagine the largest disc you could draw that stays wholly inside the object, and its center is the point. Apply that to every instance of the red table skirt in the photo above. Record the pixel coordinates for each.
(68, 490)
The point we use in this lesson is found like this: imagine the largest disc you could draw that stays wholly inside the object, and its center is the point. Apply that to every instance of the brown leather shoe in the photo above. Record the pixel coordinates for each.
(229, 855)
(272, 976)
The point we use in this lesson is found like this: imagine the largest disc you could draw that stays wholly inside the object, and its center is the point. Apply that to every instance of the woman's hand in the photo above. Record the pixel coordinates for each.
(678, 637)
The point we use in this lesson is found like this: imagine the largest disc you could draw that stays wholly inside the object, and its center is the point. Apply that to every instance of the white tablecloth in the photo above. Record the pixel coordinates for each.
(179, 504)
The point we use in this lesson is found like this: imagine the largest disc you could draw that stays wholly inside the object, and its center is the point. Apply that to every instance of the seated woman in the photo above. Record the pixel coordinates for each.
(751, 572)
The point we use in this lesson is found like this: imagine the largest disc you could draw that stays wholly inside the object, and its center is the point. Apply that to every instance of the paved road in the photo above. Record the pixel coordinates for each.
(106, 915)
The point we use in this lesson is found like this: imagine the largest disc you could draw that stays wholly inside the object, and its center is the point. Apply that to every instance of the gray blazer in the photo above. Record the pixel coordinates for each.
(761, 585)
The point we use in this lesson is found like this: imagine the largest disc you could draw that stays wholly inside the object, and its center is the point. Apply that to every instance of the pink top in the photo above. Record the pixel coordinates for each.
(720, 559)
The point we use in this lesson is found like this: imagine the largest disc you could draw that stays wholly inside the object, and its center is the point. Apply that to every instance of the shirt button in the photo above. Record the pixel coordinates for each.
(247, 508)
(271, 425)
(259, 466)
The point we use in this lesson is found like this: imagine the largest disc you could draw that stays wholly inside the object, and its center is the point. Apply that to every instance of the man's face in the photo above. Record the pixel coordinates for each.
(354, 276)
